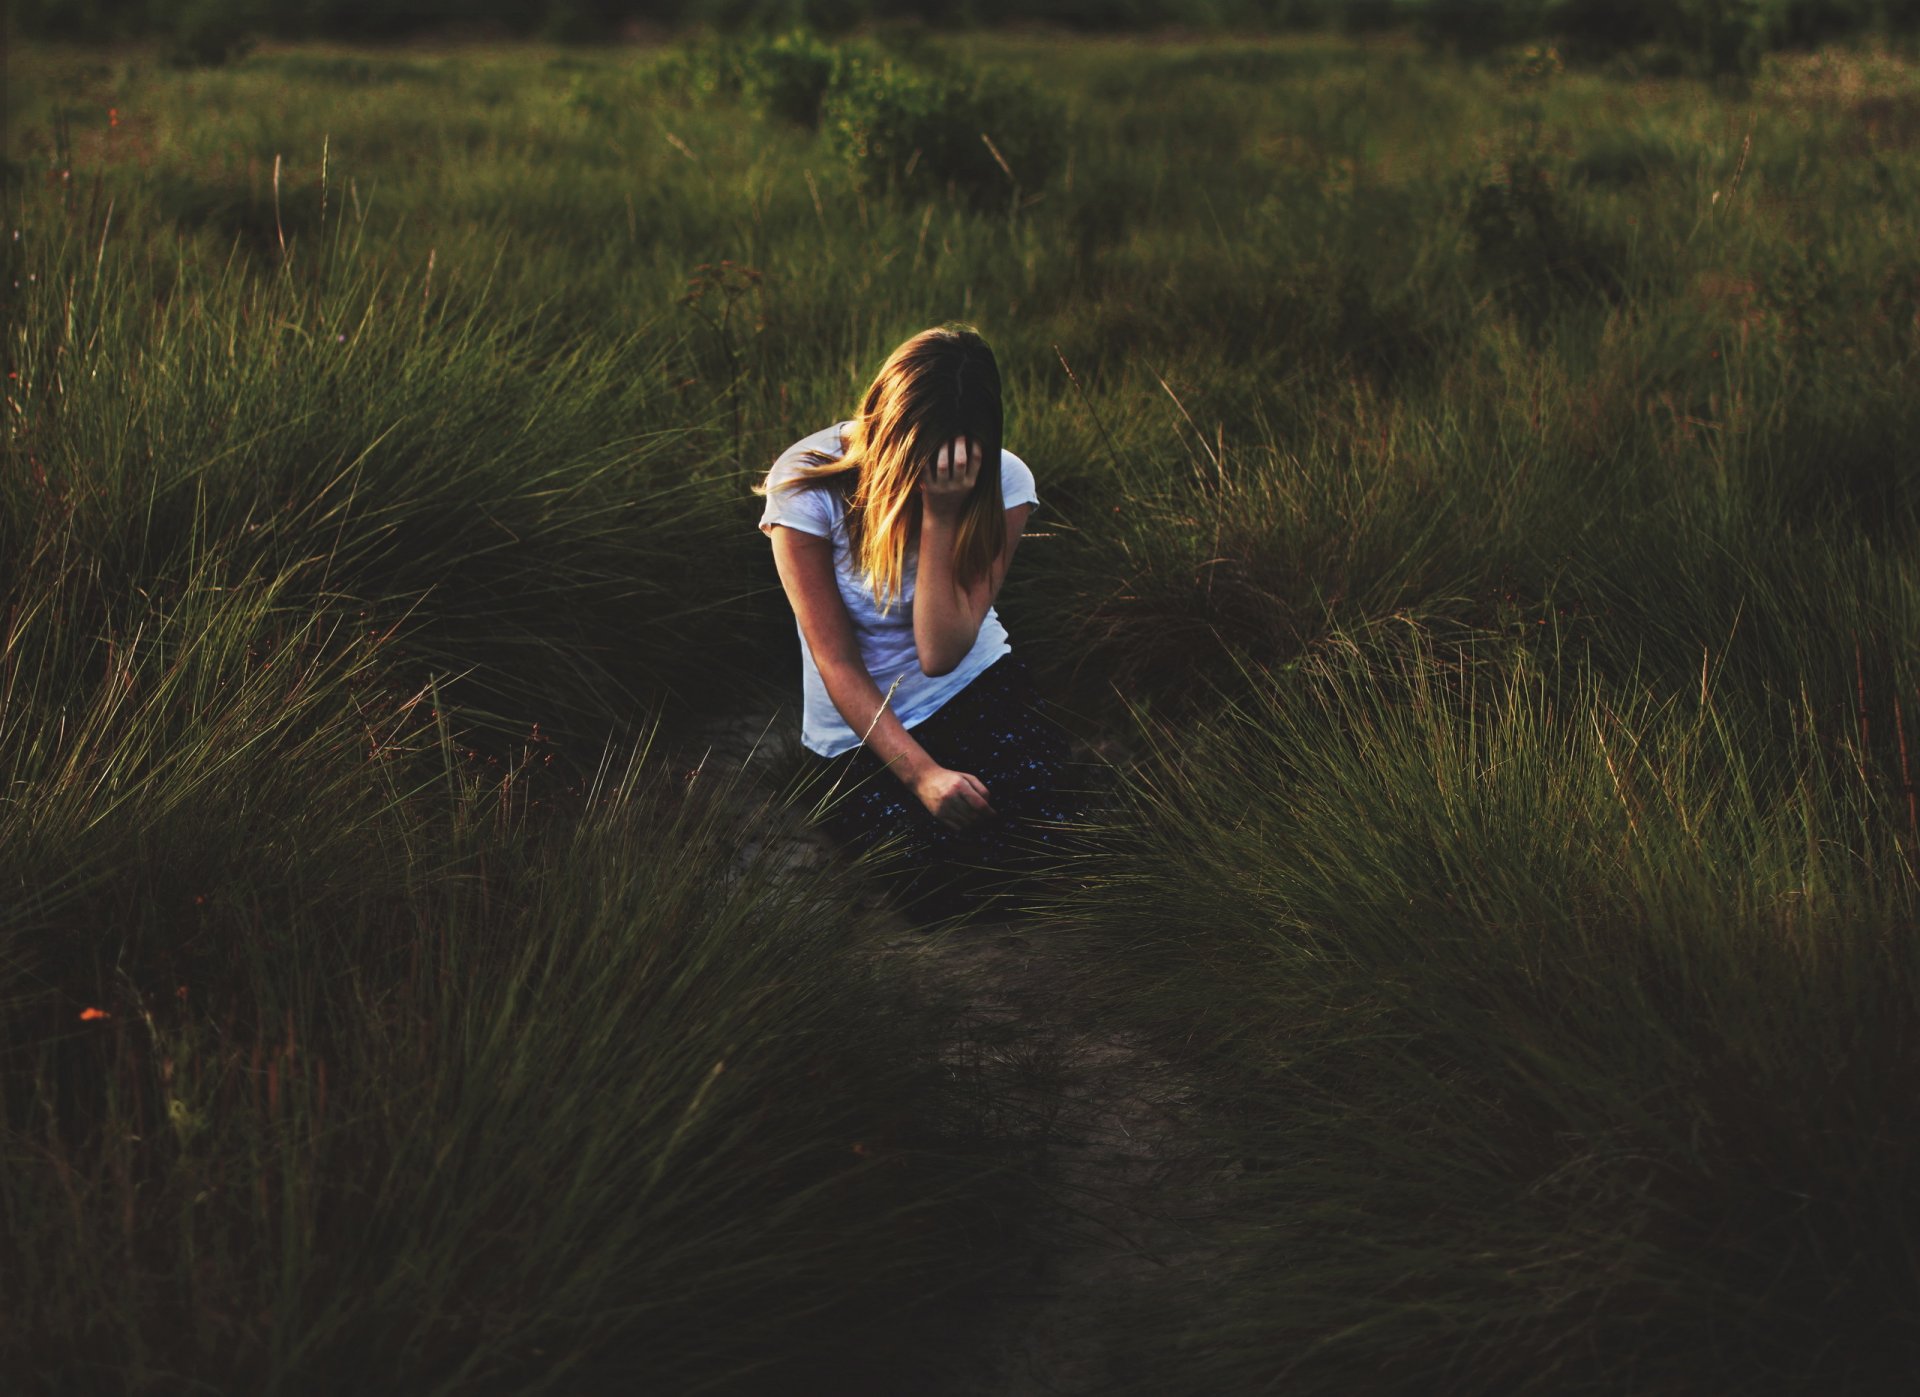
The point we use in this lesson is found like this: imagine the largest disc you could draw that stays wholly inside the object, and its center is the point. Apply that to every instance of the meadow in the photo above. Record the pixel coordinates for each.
(1478, 503)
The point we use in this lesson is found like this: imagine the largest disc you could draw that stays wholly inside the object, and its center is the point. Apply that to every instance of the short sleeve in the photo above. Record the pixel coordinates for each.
(805, 507)
(1016, 481)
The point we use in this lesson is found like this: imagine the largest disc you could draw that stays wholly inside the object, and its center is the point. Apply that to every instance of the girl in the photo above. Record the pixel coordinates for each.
(892, 533)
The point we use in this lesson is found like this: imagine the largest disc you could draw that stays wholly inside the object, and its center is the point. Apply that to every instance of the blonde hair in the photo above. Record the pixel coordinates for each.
(941, 384)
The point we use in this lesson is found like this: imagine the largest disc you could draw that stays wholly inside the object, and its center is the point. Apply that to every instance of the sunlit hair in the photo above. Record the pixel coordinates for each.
(941, 384)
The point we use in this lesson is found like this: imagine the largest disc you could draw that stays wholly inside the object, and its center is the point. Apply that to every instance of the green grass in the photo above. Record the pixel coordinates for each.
(1479, 496)
(1556, 1030)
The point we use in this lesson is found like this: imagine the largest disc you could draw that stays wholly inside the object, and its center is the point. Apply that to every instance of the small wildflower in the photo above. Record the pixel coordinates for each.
(113, 116)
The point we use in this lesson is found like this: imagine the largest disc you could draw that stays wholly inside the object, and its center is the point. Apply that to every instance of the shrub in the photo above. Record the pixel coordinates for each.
(788, 77)
(988, 138)
(1605, 26)
(1478, 26)
(1816, 21)
(1366, 16)
(1731, 34)
(701, 70)
(1721, 36)
(208, 33)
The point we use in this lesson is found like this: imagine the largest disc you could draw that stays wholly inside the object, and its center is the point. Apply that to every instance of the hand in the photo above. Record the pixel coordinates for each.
(949, 478)
(954, 798)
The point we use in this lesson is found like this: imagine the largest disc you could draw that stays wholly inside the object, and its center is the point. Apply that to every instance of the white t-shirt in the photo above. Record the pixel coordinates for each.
(886, 642)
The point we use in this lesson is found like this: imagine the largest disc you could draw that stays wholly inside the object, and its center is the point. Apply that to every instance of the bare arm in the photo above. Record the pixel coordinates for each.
(806, 572)
(946, 614)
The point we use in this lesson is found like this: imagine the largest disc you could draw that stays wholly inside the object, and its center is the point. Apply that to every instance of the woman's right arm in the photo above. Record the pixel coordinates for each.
(806, 572)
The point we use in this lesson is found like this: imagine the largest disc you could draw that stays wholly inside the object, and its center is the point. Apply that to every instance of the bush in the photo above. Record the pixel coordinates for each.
(990, 138)
(1809, 22)
(208, 33)
(1606, 26)
(1720, 36)
(1730, 35)
(788, 77)
(1478, 26)
(702, 70)
(1367, 16)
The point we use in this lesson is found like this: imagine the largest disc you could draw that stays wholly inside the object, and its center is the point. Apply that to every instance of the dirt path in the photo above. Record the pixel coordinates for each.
(1108, 1115)
(1114, 1146)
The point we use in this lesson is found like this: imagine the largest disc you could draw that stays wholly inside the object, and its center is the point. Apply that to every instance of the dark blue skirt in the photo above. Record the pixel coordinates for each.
(997, 729)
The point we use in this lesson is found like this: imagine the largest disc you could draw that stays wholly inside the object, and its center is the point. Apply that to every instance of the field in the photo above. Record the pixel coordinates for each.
(1477, 529)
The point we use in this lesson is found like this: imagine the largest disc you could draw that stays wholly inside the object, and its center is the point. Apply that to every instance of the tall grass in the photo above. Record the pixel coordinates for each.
(383, 1009)
(1489, 484)
(1559, 1031)
(335, 1053)
(518, 1108)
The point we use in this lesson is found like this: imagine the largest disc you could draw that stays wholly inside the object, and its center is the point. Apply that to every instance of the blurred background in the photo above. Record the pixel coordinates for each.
(1722, 34)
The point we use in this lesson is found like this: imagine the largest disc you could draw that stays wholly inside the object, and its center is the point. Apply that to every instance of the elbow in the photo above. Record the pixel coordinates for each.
(936, 661)
(942, 650)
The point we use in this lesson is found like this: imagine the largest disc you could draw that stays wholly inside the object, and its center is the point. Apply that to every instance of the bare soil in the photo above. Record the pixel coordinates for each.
(1107, 1116)
(1113, 1153)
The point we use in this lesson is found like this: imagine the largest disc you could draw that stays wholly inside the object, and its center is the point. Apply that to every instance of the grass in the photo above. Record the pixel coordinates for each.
(1534, 1077)
(336, 1048)
(1476, 495)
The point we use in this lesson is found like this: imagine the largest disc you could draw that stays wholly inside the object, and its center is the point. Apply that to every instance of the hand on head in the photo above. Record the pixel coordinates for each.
(950, 477)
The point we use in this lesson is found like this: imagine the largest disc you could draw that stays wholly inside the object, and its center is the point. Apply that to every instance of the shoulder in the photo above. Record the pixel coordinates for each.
(826, 442)
(1016, 481)
(809, 508)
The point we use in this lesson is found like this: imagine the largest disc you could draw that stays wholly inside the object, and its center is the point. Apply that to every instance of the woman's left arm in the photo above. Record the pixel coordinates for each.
(947, 615)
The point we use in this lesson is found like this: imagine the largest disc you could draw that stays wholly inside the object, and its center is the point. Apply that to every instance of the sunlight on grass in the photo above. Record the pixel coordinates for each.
(1476, 510)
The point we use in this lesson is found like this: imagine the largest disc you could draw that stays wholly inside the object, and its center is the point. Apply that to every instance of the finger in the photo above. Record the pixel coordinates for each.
(958, 814)
(979, 797)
